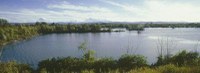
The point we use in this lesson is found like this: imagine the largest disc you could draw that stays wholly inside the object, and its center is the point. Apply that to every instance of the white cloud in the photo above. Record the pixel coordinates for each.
(151, 10)
(161, 10)
(32, 15)
(66, 13)
(68, 6)
(127, 7)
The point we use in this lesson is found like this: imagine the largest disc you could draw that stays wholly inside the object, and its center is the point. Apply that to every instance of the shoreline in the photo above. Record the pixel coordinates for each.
(16, 40)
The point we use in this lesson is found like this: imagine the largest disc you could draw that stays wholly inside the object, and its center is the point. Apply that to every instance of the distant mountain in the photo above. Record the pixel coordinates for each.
(91, 20)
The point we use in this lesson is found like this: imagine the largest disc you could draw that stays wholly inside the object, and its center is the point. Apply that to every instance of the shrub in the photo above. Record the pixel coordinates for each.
(127, 62)
(185, 58)
(105, 65)
(13, 67)
(144, 70)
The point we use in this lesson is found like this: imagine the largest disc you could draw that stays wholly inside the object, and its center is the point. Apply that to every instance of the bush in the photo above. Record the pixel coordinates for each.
(13, 67)
(183, 58)
(68, 64)
(127, 62)
(169, 68)
(144, 70)
(105, 65)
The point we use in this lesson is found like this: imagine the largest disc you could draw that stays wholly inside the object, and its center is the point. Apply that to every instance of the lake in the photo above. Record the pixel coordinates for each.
(107, 44)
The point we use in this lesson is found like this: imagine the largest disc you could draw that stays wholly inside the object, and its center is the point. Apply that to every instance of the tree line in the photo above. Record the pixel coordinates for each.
(10, 32)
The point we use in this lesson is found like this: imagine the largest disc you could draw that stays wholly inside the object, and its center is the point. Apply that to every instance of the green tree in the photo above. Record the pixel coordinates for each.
(89, 55)
(3, 22)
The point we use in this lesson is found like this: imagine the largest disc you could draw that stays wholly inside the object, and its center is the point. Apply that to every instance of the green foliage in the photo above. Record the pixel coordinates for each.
(13, 67)
(68, 64)
(169, 68)
(2, 35)
(21, 31)
(144, 70)
(11, 33)
(3, 22)
(61, 65)
(105, 65)
(183, 62)
(88, 54)
(127, 62)
(88, 62)
(183, 58)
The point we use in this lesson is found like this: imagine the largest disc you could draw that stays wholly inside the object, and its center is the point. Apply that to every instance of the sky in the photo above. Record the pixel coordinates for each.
(100, 10)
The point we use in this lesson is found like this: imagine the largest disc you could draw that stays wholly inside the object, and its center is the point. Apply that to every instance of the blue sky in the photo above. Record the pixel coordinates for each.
(100, 10)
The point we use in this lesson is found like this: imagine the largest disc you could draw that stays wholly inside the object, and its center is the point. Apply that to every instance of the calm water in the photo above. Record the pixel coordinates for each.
(113, 44)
